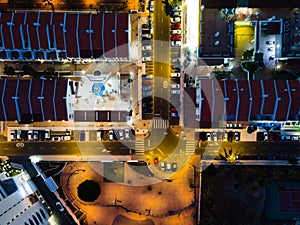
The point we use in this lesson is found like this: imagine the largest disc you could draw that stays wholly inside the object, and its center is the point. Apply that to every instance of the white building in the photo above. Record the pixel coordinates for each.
(19, 199)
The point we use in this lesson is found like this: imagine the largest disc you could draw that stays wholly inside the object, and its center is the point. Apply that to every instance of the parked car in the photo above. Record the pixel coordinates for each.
(177, 13)
(176, 8)
(176, 37)
(175, 31)
(30, 135)
(173, 114)
(175, 26)
(35, 135)
(175, 74)
(127, 136)
(295, 138)
(47, 134)
(146, 36)
(168, 168)
(266, 136)
(175, 92)
(214, 136)
(237, 135)
(56, 138)
(151, 6)
(147, 88)
(147, 48)
(176, 43)
(111, 135)
(99, 135)
(270, 42)
(121, 135)
(162, 165)
(175, 86)
(208, 137)
(175, 20)
(146, 59)
(19, 132)
(174, 167)
(174, 60)
(13, 135)
(59, 206)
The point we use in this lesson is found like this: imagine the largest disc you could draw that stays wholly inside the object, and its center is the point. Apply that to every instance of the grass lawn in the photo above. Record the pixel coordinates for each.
(237, 194)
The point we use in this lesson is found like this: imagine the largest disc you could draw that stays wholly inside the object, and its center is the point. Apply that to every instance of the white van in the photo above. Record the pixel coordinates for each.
(99, 135)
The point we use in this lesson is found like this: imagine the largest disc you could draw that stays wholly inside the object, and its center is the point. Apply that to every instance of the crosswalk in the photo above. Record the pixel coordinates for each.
(159, 123)
(190, 147)
(140, 147)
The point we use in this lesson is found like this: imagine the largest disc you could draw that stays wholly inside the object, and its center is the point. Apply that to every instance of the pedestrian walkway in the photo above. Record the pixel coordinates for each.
(140, 147)
(190, 147)
(159, 123)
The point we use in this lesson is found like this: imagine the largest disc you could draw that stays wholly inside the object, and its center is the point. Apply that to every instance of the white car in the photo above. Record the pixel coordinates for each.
(47, 134)
(175, 92)
(266, 136)
(127, 137)
(13, 135)
(208, 137)
(99, 135)
(177, 13)
(111, 135)
(176, 8)
(30, 135)
(147, 48)
(176, 60)
(175, 74)
(146, 59)
(175, 31)
(176, 43)
(175, 20)
(59, 206)
(151, 6)
(147, 35)
(35, 135)
(168, 168)
(56, 138)
(175, 86)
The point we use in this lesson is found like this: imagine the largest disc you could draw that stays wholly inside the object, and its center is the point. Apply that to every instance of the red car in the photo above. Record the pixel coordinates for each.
(176, 37)
(173, 109)
(175, 26)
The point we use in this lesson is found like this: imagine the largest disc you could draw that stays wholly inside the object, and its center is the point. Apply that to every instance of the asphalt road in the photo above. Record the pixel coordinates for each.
(67, 148)
(252, 148)
(161, 60)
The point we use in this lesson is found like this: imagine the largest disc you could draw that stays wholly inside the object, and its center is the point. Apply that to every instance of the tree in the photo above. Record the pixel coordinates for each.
(49, 72)
(230, 156)
(9, 70)
(29, 70)
(248, 54)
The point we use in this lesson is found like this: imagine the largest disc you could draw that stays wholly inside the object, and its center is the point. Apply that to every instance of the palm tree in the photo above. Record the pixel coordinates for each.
(230, 156)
